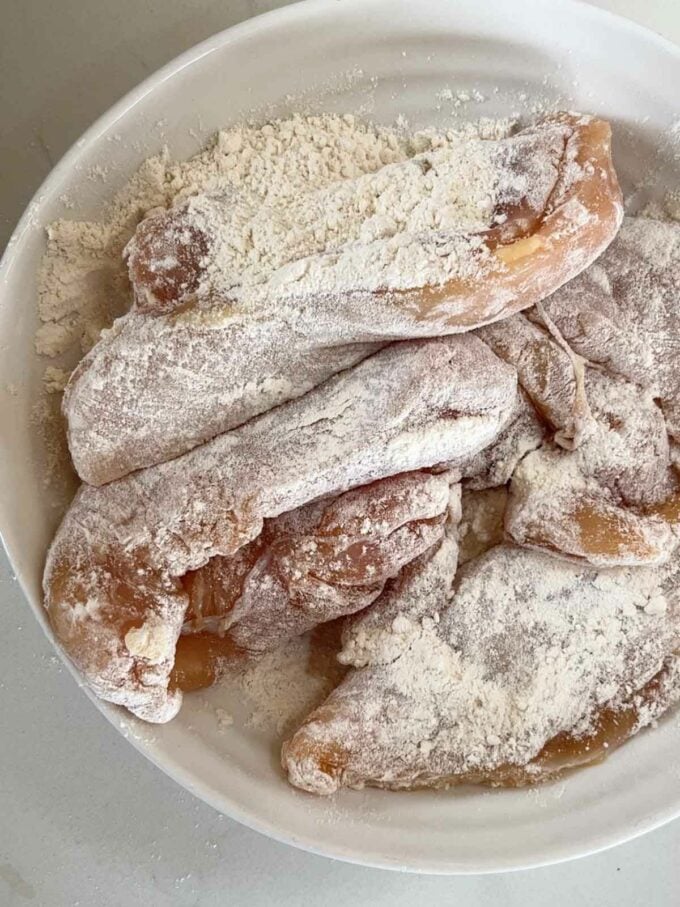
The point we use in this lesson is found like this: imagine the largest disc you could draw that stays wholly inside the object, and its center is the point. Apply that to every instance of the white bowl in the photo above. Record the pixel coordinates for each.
(382, 58)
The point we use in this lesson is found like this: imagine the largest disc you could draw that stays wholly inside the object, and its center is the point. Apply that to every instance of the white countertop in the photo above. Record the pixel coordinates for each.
(84, 819)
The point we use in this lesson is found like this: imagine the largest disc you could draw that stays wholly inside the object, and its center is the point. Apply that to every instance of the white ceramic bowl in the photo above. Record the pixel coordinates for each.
(382, 58)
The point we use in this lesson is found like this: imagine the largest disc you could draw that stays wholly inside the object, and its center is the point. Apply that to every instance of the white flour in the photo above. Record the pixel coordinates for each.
(83, 283)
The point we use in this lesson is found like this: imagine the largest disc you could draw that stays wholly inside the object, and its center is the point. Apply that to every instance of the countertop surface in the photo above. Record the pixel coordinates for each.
(84, 818)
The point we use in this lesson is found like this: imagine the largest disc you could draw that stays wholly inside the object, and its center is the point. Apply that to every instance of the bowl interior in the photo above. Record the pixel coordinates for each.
(378, 60)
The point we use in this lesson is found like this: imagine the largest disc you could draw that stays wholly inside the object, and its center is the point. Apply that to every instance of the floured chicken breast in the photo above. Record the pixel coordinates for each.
(518, 669)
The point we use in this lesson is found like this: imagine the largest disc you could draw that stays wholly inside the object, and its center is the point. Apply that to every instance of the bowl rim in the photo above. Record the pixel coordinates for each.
(552, 854)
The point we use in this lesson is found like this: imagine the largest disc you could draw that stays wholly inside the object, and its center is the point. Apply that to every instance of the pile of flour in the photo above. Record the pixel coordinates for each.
(84, 284)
